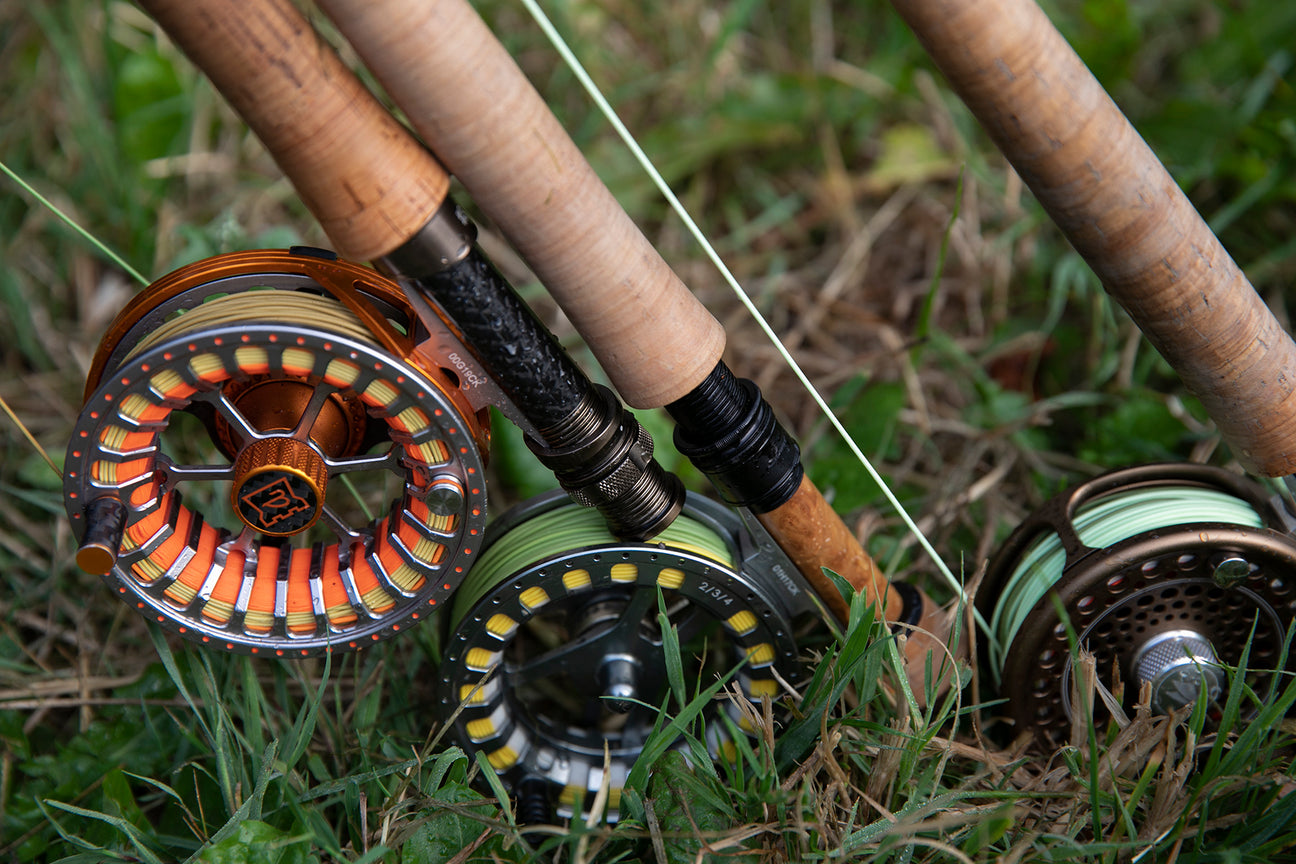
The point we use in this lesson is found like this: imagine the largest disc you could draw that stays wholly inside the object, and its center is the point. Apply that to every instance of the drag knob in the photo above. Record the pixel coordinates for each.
(279, 485)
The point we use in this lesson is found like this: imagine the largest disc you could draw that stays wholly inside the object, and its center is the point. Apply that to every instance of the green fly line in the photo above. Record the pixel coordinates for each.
(1099, 524)
(573, 528)
(605, 108)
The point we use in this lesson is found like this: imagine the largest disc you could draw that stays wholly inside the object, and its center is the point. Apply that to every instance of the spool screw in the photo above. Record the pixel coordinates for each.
(1177, 663)
(619, 675)
(1231, 571)
(101, 543)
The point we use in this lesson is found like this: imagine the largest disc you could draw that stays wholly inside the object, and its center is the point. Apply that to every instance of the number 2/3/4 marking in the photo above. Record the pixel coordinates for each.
(708, 588)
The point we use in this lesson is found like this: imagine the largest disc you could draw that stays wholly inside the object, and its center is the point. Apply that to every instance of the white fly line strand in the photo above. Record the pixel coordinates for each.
(578, 69)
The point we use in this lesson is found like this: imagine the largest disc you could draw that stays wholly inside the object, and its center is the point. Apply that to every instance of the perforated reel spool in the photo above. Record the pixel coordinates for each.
(1164, 573)
(556, 648)
(259, 465)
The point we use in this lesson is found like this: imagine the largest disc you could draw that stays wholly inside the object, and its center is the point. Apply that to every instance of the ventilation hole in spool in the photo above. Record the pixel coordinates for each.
(1278, 587)
(1048, 658)
(1149, 568)
(1143, 602)
(1116, 584)
(1192, 590)
(1187, 561)
(1169, 593)
(1086, 605)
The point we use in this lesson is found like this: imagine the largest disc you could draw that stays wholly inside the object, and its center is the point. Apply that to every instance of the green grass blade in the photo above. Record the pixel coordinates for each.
(132, 832)
(73, 224)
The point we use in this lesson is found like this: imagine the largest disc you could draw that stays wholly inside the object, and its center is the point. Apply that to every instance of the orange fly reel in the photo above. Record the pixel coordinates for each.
(268, 463)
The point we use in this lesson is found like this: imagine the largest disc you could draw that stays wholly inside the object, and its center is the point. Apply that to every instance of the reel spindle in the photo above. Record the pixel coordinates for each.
(1166, 574)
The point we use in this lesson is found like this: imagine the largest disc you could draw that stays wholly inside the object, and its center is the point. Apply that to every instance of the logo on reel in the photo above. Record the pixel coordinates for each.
(277, 502)
(278, 485)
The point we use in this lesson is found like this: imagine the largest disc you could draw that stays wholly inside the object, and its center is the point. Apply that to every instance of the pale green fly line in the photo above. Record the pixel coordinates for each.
(1099, 524)
(571, 528)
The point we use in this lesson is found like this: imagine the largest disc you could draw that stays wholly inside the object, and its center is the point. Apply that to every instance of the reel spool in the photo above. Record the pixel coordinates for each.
(276, 392)
(1163, 572)
(556, 648)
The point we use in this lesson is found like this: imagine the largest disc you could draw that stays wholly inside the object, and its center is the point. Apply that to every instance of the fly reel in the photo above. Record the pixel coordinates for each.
(1166, 573)
(262, 464)
(557, 645)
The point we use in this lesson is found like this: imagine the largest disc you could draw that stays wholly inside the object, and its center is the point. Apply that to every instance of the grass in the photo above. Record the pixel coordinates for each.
(828, 163)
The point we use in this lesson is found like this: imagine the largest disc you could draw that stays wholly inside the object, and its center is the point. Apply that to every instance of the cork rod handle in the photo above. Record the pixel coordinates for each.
(468, 99)
(362, 175)
(1122, 211)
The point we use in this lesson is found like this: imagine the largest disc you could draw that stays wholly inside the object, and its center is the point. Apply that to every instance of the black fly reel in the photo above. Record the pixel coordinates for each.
(1166, 573)
(555, 667)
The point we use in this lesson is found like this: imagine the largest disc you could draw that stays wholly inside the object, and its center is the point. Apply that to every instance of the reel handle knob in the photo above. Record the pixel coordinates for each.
(105, 524)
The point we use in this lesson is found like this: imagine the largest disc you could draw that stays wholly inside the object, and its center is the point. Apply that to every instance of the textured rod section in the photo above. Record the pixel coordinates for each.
(597, 450)
(1123, 212)
(477, 111)
(518, 351)
(363, 176)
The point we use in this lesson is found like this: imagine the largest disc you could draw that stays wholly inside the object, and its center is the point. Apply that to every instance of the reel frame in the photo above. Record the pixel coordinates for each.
(1154, 584)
